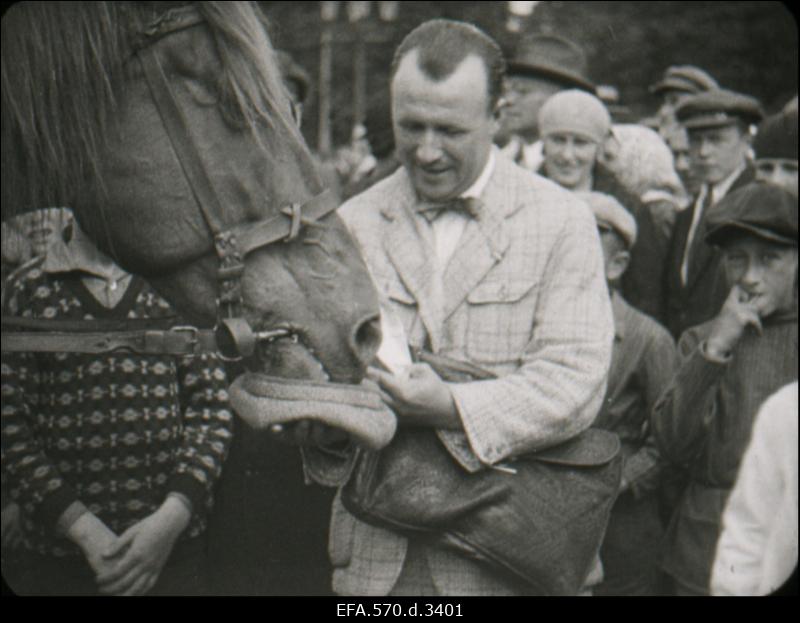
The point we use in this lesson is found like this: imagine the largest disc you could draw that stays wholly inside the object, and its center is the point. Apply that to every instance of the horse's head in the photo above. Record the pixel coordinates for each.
(81, 127)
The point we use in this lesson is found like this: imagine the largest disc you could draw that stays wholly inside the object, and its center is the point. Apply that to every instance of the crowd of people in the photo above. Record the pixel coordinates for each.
(640, 278)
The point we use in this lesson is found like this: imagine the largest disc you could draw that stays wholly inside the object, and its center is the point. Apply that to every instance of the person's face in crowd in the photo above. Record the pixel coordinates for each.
(443, 130)
(524, 97)
(669, 102)
(678, 143)
(615, 255)
(569, 159)
(41, 227)
(717, 152)
(765, 271)
(781, 172)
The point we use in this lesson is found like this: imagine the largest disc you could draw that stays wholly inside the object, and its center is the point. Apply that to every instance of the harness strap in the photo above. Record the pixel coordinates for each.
(179, 135)
(252, 236)
(86, 326)
(175, 341)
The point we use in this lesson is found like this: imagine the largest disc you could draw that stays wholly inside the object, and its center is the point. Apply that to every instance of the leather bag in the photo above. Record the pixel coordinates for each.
(542, 518)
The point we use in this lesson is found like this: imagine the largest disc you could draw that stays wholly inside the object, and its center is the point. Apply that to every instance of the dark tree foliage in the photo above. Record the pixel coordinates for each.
(747, 46)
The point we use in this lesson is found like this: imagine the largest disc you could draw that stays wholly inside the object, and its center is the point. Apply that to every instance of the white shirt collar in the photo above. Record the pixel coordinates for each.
(720, 189)
(479, 184)
(80, 254)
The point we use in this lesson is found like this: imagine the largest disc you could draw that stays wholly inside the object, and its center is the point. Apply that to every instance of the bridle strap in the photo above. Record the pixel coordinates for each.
(232, 244)
(175, 341)
(179, 135)
(87, 326)
(252, 236)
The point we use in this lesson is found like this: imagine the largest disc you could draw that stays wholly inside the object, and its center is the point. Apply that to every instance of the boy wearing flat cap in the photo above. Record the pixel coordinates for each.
(643, 361)
(718, 124)
(729, 366)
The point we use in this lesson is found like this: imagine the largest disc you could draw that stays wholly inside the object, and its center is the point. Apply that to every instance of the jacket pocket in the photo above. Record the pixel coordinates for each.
(500, 323)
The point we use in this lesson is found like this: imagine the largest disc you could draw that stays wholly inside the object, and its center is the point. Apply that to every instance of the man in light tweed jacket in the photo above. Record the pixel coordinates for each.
(510, 279)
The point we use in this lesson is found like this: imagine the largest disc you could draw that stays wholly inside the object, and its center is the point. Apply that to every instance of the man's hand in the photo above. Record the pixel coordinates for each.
(11, 526)
(136, 558)
(418, 396)
(93, 537)
(738, 311)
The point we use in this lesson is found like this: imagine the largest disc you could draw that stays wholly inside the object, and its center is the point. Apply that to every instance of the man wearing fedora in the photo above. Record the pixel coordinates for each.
(542, 66)
(718, 125)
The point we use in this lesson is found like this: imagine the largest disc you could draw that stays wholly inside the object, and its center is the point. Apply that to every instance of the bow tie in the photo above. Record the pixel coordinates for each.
(468, 206)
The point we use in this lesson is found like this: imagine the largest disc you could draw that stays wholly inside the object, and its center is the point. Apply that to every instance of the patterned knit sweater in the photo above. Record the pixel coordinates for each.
(117, 432)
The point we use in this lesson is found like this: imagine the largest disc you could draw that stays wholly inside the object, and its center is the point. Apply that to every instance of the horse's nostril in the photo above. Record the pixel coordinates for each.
(367, 339)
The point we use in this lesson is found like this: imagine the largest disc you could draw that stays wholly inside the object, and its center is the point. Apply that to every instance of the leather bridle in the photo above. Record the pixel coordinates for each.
(232, 337)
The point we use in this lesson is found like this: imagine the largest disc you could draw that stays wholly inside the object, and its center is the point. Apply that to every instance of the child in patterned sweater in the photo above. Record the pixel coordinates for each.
(112, 458)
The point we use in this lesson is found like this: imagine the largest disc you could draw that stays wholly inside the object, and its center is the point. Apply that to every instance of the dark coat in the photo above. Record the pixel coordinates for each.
(643, 283)
(702, 297)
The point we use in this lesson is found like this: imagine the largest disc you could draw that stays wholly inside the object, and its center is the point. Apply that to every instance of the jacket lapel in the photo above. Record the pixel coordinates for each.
(409, 247)
(484, 241)
(701, 253)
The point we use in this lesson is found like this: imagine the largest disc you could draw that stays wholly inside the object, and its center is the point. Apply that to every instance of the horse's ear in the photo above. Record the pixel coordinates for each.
(67, 232)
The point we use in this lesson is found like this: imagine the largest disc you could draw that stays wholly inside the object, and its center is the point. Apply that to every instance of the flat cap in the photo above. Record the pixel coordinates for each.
(760, 209)
(687, 78)
(717, 108)
(777, 137)
(610, 213)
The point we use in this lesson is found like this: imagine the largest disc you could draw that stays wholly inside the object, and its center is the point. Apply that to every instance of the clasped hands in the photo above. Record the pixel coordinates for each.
(131, 563)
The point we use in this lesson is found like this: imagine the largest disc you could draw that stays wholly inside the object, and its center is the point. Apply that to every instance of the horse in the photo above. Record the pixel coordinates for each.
(87, 123)
(82, 127)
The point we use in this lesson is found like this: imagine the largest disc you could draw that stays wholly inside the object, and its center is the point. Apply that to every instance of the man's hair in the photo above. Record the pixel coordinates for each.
(443, 44)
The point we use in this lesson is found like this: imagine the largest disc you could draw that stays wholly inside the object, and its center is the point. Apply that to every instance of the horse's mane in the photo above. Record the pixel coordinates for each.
(62, 75)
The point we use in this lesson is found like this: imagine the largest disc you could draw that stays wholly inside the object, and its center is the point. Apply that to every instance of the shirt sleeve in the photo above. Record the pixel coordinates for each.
(682, 416)
(207, 428)
(32, 478)
(750, 511)
(557, 391)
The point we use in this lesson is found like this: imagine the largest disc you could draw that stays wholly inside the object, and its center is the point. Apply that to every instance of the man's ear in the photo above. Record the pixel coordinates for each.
(497, 111)
(617, 266)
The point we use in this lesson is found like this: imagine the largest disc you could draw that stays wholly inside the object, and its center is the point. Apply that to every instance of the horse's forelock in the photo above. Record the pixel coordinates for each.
(250, 83)
(61, 62)
(59, 88)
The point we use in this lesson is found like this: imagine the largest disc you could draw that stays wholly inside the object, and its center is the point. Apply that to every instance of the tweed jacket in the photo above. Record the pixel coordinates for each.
(523, 295)
(705, 291)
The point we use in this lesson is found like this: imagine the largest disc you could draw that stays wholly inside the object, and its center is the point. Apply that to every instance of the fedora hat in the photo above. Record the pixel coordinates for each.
(554, 58)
